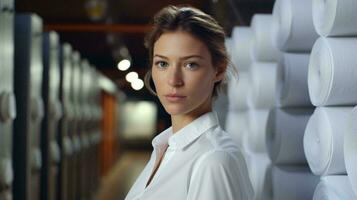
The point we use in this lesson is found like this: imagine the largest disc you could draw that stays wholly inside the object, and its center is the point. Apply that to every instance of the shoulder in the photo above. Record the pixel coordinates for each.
(223, 153)
(217, 147)
(217, 159)
(220, 140)
(225, 170)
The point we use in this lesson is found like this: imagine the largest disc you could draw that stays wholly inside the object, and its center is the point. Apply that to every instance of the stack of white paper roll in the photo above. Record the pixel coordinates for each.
(293, 29)
(330, 146)
(260, 98)
(292, 182)
(332, 72)
(242, 37)
(330, 137)
(350, 149)
(291, 85)
(220, 105)
(239, 48)
(293, 34)
(335, 17)
(323, 140)
(285, 132)
(263, 66)
(238, 87)
(334, 187)
(251, 94)
(263, 49)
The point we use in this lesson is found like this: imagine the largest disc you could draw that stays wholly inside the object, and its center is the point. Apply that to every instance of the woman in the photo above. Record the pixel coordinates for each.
(193, 159)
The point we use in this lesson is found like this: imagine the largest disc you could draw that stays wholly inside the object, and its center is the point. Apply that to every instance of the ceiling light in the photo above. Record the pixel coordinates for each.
(124, 65)
(137, 84)
(131, 76)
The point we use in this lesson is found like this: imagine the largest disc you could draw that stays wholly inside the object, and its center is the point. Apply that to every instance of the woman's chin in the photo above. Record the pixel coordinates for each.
(175, 109)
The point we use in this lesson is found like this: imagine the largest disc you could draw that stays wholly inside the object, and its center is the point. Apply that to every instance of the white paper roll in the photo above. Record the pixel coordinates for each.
(242, 38)
(263, 77)
(268, 184)
(293, 183)
(229, 46)
(285, 133)
(293, 29)
(335, 17)
(257, 121)
(292, 89)
(263, 49)
(334, 187)
(350, 149)
(236, 124)
(220, 105)
(238, 91)
(323, 140)
(6, 171)
(245, 143)
(333, 71)
(257, 164)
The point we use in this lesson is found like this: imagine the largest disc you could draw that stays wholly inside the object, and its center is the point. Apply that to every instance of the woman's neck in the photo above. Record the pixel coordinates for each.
(180, 121)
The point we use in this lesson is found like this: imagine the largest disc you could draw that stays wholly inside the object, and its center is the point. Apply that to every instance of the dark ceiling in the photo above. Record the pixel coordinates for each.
(124, 23)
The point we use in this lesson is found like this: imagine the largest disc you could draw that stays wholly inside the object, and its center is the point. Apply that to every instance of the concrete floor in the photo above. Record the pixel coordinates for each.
(117, 183)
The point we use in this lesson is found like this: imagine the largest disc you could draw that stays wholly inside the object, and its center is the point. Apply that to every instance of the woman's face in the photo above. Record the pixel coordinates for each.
(183, 73)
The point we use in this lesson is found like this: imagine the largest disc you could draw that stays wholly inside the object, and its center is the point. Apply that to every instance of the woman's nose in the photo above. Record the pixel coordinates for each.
(175, 77)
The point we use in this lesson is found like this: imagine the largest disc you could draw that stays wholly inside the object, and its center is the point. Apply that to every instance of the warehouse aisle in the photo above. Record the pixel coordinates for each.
(117, 183)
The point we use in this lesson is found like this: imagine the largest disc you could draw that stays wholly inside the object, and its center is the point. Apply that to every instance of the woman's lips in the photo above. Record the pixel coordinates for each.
(174, 97)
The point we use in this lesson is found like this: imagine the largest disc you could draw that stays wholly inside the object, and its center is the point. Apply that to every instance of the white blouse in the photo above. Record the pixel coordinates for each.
(202, 162)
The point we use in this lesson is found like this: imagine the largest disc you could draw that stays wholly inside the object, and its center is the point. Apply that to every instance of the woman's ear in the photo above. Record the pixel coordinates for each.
(220, 72)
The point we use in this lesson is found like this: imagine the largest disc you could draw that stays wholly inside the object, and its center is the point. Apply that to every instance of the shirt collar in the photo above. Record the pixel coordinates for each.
(193, 130)
(162, 139)
(187, 134)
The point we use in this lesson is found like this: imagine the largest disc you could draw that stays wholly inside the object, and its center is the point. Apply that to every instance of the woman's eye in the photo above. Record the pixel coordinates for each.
(191, 65)
(161, 64)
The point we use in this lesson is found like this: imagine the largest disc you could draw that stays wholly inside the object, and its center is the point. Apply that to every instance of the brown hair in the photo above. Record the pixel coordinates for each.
(195, 22)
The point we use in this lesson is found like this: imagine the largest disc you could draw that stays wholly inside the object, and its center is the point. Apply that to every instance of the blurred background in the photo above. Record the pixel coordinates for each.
(76, 121)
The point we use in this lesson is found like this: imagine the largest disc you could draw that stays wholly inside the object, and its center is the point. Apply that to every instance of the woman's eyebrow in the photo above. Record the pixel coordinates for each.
(157, 55)
(192, 56)
(182, 58)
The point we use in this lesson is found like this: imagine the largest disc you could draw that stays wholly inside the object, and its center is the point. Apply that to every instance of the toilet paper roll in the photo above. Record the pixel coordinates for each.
(257, 122)
(263, 77)
(323, 140)
(238, 90)
(285, 133)
(293, 183)
(242, 43)
(293, 29)
(335, 17)
(236, 123)
(350, 148)
(257, 164)
(292, 89)
(332, 72)
(263, 49)
(334, 187)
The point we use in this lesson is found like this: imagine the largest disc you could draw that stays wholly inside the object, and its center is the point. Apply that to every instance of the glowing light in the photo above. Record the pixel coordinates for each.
(131, 76)
(137, 84)
(124, 65)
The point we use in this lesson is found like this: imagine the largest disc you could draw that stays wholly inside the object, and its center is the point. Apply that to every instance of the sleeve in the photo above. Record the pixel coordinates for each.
(219, 177)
